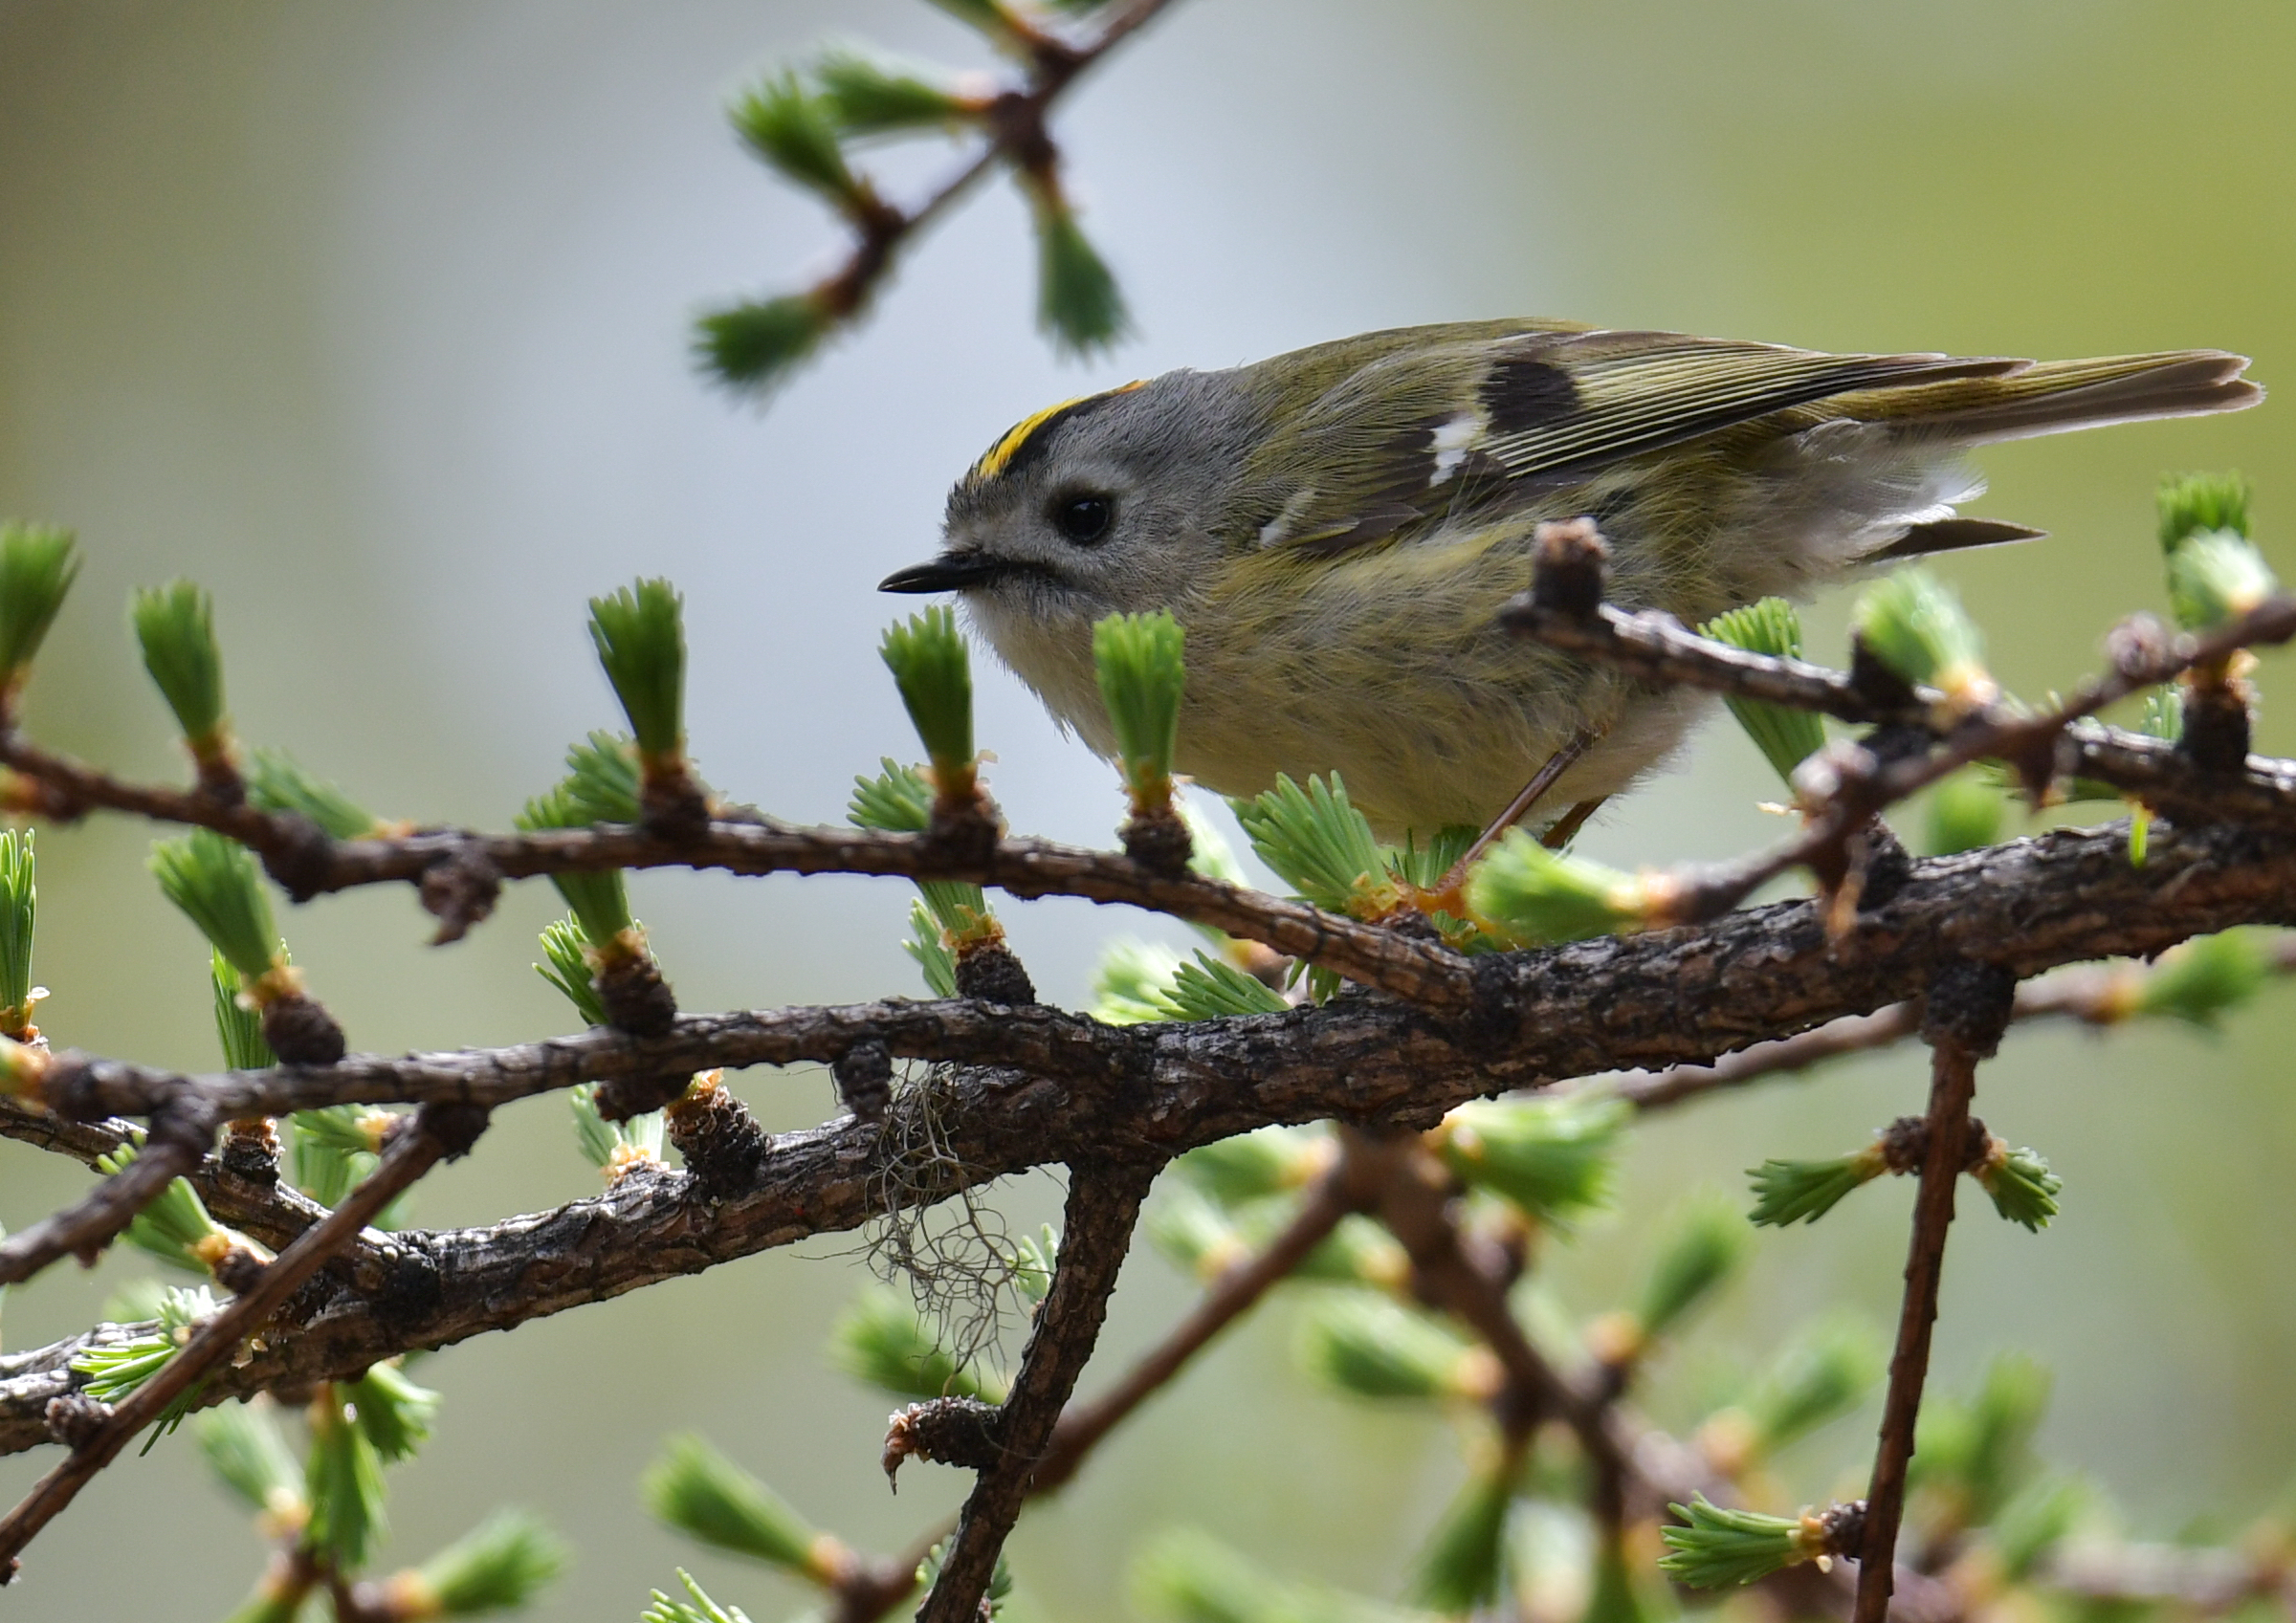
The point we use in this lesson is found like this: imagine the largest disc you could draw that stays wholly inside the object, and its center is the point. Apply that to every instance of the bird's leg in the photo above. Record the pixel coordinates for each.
(1518, 808)
(1558, 833)
(1446, 897)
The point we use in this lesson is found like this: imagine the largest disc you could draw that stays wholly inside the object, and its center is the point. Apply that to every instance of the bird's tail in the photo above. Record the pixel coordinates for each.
(2051, 396)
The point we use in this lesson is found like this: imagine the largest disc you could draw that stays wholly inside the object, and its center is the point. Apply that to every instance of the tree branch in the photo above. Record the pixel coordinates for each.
(1104, 1203)
(1967, 1010)
(1658, 648)
(1014, 119)
(180, 1132)
(2261, 793)
(1074, 1090)
(44, 1129)
(1607, 1003)
(1842, 788)
(1465, 1276)
(431, 1136)
(1083, 1425)
(2100, 997)
(275, 1214)
(1852, 1034)
(301, 857)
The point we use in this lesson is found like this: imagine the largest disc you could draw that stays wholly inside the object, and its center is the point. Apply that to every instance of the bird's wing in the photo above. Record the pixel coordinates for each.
(1578, 404)
(1397, 443)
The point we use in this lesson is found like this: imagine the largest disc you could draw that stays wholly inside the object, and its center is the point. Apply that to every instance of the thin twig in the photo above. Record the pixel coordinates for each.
(1844, 788)
(433, 1134)
(44, 1129)
(1468, 1276)
(876, 1587)
(1658, 648)
(181, 1130)
(307, 863)
(1967, 1009)
(1852, 1034)
(1014, 120)
(1104, 1203)
(275, 1215)
(2155, 772)
(1083, 1425)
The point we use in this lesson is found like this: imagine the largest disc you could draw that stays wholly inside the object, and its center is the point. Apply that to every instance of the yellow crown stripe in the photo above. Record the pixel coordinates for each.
(999, 455)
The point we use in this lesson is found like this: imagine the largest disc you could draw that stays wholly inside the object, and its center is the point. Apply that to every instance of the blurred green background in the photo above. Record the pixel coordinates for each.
(373, 318)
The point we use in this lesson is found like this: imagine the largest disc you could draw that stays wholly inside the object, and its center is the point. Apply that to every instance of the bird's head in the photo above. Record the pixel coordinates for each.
(1092, 507)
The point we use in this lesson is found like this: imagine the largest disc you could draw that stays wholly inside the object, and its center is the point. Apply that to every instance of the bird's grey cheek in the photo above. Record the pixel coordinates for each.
(1030, 598)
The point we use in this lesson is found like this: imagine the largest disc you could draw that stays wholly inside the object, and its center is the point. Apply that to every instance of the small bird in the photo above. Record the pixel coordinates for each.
(1337, 528)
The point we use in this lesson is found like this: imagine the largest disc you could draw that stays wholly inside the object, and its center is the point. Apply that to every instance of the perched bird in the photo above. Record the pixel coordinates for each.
(1337, 528)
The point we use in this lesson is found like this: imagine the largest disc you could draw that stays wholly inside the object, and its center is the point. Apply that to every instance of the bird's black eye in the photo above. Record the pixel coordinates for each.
(1083, 519)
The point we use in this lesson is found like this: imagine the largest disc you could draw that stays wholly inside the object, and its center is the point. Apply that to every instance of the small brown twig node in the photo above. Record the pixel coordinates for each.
(962, 1432)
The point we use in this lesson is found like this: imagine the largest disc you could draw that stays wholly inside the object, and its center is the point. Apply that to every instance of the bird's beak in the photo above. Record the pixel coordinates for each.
(950, 572)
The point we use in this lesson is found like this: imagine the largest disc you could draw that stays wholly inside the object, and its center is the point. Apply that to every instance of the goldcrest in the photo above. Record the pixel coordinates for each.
(1337, 528)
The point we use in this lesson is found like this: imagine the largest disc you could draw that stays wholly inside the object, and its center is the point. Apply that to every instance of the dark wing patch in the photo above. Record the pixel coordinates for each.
(1523, 392)
(1641, 393)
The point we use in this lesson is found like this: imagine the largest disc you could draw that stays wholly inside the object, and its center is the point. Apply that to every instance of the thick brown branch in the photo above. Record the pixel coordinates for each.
(1662, 997)
(1104, 1203)
(1076, 1090)
(2096, 997)
(1967, 1009)
(432, 1135)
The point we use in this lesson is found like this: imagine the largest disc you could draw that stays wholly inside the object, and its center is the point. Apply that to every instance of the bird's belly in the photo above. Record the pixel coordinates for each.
(1440, 754)
(1391, 673)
